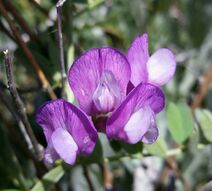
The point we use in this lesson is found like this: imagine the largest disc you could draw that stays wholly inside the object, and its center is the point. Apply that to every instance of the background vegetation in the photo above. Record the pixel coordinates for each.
(181, 159)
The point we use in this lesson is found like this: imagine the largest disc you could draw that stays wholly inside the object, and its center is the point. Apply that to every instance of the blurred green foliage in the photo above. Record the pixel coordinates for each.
(183, 150)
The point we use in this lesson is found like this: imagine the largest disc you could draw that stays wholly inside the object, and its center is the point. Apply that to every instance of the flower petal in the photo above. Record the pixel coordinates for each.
(86, 72)
(138, 56)
(144, 95)
(82, 130)
(64, 145)
(161, 67)
(61, 114)
(107, 94)
(50, 154)
(138, 124)
(151, 135)
(50, 116)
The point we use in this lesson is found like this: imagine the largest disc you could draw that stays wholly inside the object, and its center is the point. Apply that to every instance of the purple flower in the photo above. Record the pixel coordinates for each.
(157, 69)
(134, 120)
(99, 80)
(67, 129)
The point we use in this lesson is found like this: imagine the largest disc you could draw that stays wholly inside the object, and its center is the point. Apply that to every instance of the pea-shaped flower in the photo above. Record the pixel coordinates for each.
(134, 120)
(157, 69)
(67, 129)
(99, 80)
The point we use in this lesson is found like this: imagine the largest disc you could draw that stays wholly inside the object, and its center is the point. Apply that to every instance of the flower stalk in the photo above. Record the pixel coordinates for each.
(35, 147)
(60, 45)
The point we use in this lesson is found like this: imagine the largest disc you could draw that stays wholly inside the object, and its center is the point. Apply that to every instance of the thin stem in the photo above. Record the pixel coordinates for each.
(24, 90)
(27, 52)
(7, 32)
(107, 176)
(23, 141)
(20, 106)
(88, 179)
(202, 90)
(60, 3)
(60, 44)
(41, 9)
(10, 7)
(7, 103)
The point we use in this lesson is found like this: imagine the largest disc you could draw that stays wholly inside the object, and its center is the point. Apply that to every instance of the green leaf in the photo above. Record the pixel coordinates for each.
(94, 3)
(194, 139)
(158, 148)
(70, 59)
(180, 121)
(49, 179)
(204, 117)
(70, 55)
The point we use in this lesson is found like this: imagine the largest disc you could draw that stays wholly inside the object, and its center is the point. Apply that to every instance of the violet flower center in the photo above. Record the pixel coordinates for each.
(107, 94)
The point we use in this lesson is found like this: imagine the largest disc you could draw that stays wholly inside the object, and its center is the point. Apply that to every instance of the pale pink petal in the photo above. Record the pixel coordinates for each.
(107, 94)
(161, 67)
(138, 124)
(64, 145)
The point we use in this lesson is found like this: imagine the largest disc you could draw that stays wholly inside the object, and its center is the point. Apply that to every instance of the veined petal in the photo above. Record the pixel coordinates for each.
(86, 72)
(140, 98)
(138, 56)
(161, 67)
(64, 145)
(107, 94)
(82, 130)
(61, 114)
(151, 135)
(139, 124)
(50, 116)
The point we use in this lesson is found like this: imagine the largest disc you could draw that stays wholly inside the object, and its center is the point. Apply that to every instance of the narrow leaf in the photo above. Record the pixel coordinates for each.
(180, 121)
(70, 59)
(49, 179)
(204, 118)
(187, 118)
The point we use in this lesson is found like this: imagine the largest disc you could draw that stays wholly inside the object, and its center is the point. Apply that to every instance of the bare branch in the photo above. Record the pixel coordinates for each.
(41, 9)
(24, 90)
(7, 32)
(60, 43)
(203, 89)
(107, 176)
(20, 106)
(27, 52)
(7, 103)
(60, 3)
(10, 7)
